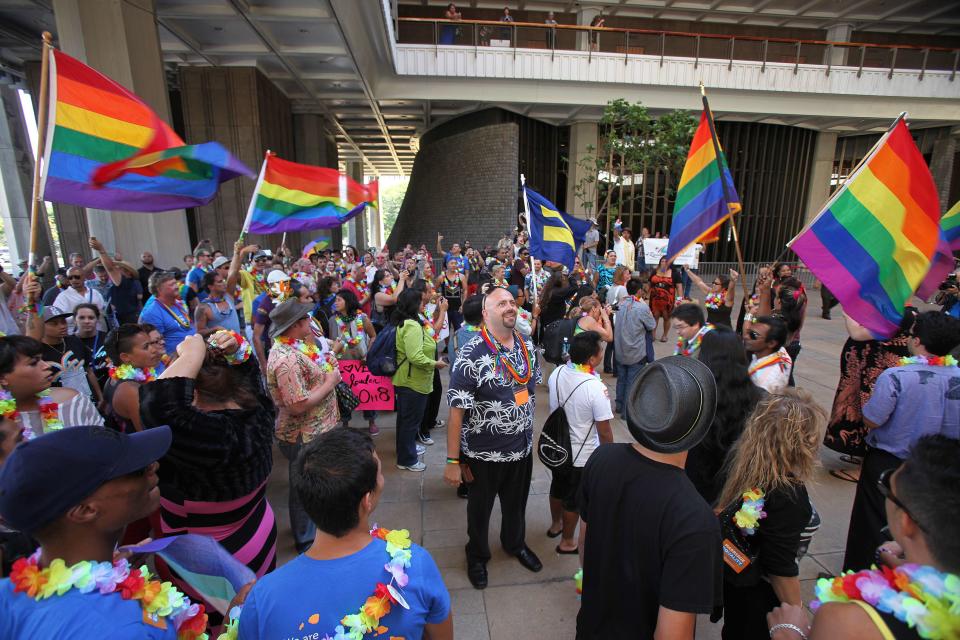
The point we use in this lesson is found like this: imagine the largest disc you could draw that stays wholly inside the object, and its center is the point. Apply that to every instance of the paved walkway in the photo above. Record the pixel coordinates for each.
(518, 603)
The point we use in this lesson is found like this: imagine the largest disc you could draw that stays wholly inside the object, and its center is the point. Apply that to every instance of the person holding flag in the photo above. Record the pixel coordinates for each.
(554, 236)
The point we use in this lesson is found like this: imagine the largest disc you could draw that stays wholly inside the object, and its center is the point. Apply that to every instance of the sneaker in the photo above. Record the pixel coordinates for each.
(373, 429)
(421, 450)
(419, 466)
(422, 439)
(439, 423)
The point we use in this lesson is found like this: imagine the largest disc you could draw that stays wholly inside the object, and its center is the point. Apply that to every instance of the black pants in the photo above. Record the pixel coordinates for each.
(510, 481)
(745, 611)
(794, 350)
(869, 514)
(433, 405)
(827, 300)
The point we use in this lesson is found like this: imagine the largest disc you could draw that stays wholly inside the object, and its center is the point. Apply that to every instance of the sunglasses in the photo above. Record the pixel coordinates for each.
(753, 335)
(74, 277)
(886, 490)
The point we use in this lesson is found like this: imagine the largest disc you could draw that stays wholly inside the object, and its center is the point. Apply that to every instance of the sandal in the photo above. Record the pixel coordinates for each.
(846, 476)
(553, 534)
(567, 552)
(854, 460)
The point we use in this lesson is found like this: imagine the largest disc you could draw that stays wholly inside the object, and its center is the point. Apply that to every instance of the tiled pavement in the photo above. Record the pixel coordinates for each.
(520, 604)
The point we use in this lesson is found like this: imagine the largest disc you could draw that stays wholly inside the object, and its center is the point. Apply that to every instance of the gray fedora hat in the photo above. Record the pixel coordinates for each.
(286, 314)
(671, 405)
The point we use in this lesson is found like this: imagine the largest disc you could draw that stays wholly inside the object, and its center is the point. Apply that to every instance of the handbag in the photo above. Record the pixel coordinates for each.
(346, 398)
(739, 553)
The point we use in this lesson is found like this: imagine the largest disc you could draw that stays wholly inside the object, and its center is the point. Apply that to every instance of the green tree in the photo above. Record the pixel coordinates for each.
(391, 197)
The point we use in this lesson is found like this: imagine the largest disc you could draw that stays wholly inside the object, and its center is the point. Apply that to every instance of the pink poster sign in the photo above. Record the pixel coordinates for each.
(375, 392)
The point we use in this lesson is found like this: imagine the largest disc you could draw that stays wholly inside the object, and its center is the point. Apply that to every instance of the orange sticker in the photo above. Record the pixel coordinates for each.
(522, 396)
(154, 621)
(734, 558)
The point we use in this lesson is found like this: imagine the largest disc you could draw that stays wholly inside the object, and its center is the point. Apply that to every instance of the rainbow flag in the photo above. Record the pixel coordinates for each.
(705, 196)
(950, 223)
(878, 239)
(106, 149)
(299, 197)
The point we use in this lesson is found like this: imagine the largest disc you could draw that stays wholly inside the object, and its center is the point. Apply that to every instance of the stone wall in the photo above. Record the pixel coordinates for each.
(464, 186)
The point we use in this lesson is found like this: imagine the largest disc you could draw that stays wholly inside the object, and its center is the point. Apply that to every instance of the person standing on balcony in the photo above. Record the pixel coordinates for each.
(506, 17)
(448, 32)
(595, 35)
(551, 33)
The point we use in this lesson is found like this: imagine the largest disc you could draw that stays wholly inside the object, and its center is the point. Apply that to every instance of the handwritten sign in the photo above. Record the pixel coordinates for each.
(656, 248)
(375, 392)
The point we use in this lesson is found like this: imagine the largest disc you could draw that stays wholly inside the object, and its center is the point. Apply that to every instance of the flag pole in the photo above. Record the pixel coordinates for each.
(726, 189)
(37, 203)
(253, 198)
(526, 211)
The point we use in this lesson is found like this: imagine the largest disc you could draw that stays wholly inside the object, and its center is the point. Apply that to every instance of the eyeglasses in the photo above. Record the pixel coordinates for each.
(886, 490)
(718, 283)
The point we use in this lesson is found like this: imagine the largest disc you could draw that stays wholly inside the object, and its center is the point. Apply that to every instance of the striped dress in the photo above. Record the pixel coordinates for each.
(213, 479)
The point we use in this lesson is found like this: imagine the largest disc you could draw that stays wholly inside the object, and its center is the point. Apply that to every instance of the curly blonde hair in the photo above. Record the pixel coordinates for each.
(779, 445)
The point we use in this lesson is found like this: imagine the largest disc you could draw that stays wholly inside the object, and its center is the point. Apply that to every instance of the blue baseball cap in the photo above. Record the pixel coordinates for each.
(44, 477)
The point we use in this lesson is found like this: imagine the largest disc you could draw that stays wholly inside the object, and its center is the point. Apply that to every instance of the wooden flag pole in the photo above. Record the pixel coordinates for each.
(726, 190)
(37, 203)
(253, 198)
(526, 211)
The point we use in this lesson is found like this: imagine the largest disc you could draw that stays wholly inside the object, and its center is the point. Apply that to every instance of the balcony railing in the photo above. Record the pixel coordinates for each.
(663, 44)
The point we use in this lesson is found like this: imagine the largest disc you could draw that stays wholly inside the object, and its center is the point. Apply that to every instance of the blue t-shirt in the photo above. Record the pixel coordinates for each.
(307, 598)
(195, 277)
(173, 332)
(76, 616)
(910, 402)
(461, 260)
(262, 306)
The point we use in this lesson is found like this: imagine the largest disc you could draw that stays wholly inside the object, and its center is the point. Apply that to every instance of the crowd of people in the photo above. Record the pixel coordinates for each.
(155, 396)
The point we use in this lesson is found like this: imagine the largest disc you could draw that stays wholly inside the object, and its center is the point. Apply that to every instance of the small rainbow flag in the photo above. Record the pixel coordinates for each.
(950, 223)
(106, 149)
(299, 197)
(705, 196)
(879, 237)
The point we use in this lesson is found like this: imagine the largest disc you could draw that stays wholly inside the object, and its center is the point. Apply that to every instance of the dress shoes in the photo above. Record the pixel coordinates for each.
(529, 560)
(477, 573)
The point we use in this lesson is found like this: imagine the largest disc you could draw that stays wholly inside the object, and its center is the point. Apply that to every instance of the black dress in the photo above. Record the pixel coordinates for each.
(720, 315)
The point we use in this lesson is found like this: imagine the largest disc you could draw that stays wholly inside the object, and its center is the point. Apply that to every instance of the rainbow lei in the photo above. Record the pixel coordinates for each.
(685, 348)
(578, 582)
(714, 300)
(310, 350)
(932, 361)
(157, 599)
(259, 281)
(923, 598)
(504, 362)
(346, 338)
(180, 315)
(130, 372)
(48, 409)
(748, 516)
(428, 327)
(583, 368)
(243, 352)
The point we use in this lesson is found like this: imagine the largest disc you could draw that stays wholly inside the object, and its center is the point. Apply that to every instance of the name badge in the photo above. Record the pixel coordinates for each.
(734, 558)
(521, 396)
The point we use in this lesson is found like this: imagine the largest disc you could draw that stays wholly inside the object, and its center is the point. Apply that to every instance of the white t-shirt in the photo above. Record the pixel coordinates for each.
(615, 294)
(771, 372)
(625, 253)
(68, 299)
(588, 405)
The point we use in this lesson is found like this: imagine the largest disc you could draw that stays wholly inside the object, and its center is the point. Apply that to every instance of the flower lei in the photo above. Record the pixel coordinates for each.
(260, 281)
(346, 338)
(779, 358)
(157, 599)
(48, 409)
(714, 301)
(922, 597)
(500, 282)
(748, 516)
(685, 348)
(130, 372)
(504, 362)
(310, 350)
(578, 582)
(933, 361)
(180, 315)
(387, 291)
(428, 327)
(243, 352)
(583, 368)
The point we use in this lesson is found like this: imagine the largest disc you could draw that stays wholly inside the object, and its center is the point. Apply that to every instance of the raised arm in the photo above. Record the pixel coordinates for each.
(234, 273)
(113, 270)
(439, 248)
(731, 292)
(697, 280)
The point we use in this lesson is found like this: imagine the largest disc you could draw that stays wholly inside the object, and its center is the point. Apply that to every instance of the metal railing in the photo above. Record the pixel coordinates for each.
(663, 44)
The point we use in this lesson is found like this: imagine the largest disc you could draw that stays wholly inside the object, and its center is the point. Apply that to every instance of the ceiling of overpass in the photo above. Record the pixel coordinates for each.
(300, 45)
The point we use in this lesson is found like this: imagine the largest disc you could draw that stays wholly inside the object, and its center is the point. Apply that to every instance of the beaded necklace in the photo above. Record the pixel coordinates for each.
(180, 315)
(346, 338)
(714, 301)
(503, 361)
(637, 298)
(157, 599)
(48, 409)
(922, 597)
(932, 361)
(308, 349)
(748, 516)
(130, 372)
(685, 348)
(428, 327)
(583, 368)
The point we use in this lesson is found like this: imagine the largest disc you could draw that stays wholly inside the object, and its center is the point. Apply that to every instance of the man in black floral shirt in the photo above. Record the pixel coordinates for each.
(493, 382)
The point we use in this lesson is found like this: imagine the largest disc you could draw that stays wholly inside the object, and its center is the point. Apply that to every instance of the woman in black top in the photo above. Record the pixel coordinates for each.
(556, 299)
(86, 318)
(722, 351)
(719, 296)
(452, 285)
(776, 454)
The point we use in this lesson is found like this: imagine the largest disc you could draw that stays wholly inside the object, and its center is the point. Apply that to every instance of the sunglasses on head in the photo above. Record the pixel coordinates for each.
(886, 490)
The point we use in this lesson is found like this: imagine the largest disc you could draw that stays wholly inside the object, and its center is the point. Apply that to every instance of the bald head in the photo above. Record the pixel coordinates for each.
(500, 311)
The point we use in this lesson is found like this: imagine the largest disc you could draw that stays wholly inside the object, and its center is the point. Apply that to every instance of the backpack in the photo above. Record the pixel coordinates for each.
(554, 448)
(556, 340)
(382, 353)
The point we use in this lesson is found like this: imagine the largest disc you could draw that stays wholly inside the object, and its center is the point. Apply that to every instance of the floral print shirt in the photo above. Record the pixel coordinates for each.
(290, 378)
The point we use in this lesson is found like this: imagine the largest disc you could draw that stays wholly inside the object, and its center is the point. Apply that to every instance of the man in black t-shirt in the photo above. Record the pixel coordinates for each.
(650, 544)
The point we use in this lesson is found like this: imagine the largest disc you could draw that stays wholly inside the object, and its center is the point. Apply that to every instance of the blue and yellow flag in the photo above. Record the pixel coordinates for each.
(554, 236)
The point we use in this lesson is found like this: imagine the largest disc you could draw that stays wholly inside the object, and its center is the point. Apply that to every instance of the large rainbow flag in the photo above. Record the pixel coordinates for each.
(879, 238)
(106, 149)
(299, 197)
(705, 196)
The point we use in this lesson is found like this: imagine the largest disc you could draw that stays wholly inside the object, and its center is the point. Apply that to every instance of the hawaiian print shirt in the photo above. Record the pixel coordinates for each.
(495, 427)
(290, 377)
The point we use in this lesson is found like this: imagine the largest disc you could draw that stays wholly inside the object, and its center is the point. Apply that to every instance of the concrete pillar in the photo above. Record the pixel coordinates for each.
(314, 145)
(16, 169)
(838, 56)
(356, 229)
(584, 16)
(120, 40)
(941, 167)
(818, 188)
(583, 143)
(375, 227)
